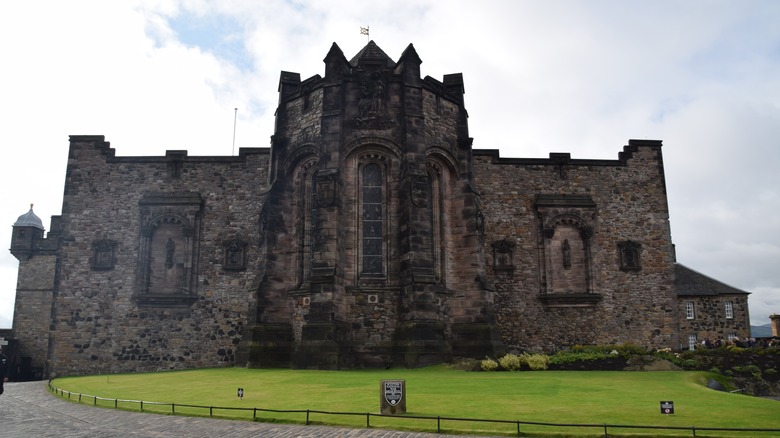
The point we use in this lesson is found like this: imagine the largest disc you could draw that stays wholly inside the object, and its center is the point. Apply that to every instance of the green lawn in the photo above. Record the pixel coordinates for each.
(591, 397)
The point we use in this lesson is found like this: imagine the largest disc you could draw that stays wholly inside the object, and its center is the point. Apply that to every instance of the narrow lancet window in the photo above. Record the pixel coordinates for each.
(372, 220)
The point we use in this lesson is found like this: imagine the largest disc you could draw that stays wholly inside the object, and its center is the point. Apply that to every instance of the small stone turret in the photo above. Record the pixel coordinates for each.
(34, 292)
(27, 234)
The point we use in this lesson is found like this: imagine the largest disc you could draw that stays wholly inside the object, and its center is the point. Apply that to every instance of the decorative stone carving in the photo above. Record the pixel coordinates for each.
(503, 255)
(566, 233)
(630, 252)
(326, 190)
(420, 185)
(170, 240)
(103, 255)
(372, 104)
(235, 255)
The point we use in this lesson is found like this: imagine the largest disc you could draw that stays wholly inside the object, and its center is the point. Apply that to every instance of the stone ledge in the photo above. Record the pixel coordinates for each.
(165, 300)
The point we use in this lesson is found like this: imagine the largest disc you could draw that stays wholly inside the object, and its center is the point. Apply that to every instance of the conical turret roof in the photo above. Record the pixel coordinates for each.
(372, 54)
(29, 219)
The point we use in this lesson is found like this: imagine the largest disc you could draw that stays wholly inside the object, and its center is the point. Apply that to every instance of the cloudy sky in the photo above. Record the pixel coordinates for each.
(540, 77)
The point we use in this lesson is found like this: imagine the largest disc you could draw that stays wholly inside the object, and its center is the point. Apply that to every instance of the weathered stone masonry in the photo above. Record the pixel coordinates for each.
(370, 234)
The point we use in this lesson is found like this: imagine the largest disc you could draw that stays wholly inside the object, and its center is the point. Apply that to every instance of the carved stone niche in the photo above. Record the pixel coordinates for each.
(235, 255)
(168, 251)
(566, 224)
(629, 253)
(503, 256)
(103, 255)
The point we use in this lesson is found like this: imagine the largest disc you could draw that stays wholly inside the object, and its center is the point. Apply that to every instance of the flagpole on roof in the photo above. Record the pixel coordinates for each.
(235, 116)
(364, 31)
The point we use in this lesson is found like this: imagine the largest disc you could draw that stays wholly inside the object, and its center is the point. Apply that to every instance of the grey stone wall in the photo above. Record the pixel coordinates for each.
(630, 204)
(709, 319)
(101, 323)
(33, 307)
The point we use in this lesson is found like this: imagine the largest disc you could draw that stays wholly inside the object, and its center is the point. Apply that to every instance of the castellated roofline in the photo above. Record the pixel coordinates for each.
(555, 158)
(559, 158)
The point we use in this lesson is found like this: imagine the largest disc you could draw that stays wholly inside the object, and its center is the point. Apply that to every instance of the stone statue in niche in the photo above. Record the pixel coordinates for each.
(170, 247)
(566, 253)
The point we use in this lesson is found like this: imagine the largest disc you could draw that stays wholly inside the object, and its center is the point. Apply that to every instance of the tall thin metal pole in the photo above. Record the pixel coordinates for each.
(235, 116)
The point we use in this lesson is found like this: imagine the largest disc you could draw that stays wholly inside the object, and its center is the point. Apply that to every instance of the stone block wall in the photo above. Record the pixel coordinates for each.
(102, 323)
(623, 305)
(710, 320)
(33, 308)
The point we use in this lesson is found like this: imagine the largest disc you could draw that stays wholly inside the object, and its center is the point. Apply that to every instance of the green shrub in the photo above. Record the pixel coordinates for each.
(489, 365)
(538, 362)
(510, 362)
(569, 357)
(749, 369)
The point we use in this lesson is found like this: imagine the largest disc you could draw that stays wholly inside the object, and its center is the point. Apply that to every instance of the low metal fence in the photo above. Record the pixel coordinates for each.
(81, 398)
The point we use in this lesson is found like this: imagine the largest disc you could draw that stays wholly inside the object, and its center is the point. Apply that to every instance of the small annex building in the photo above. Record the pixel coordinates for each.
(369, 234)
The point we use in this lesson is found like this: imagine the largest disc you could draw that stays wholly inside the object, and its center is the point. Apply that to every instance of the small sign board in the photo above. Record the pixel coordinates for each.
(667, 407)
(392, 396)
(241, 393)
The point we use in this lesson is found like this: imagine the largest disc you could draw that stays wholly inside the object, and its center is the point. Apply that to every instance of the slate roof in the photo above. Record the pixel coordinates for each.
(372, 54)
(29, 219)
(691, 283)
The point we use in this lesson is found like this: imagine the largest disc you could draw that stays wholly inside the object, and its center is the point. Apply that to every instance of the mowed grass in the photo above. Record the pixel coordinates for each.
(584, 397)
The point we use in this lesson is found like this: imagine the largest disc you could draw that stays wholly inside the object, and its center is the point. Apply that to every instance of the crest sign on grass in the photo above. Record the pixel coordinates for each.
(392, 396)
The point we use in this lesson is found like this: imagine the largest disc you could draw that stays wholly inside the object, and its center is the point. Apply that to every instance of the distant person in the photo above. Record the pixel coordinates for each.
(3, 369)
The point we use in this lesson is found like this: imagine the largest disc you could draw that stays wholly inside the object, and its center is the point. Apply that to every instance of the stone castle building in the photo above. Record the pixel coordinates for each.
(370, 233)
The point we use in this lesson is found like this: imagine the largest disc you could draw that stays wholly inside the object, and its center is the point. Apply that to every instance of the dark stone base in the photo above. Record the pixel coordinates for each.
(322, 347)
(269, 346)
(476, 341)
(419, 344)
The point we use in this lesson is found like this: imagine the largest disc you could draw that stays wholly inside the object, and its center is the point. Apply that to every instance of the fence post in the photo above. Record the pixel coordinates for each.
(94, 402)
(254, 414)
(367, 419)
(211, 411)
(518, 427)
(438, 424)
(307, 417)
(173, 408)
(142, 405)
(694, 430)
(116, 403)
(605, 430)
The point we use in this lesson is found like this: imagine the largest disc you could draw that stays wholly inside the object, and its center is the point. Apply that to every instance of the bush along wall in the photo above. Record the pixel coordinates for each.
(754, 370)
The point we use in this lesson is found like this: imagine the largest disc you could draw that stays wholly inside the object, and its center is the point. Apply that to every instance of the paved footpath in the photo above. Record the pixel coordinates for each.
(28, 409)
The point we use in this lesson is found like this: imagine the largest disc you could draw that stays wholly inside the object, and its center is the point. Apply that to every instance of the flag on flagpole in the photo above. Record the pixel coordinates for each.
(364, 31)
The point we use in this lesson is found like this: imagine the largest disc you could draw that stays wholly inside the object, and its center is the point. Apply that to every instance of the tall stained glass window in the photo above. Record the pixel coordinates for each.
(372, 220)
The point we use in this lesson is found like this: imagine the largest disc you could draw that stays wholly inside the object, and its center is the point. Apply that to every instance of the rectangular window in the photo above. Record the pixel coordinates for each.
(689, 310)
(731, 336)
(692, 342)
(729, 310)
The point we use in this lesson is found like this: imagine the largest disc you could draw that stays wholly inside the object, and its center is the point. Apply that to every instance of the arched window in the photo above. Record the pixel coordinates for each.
(372, 220)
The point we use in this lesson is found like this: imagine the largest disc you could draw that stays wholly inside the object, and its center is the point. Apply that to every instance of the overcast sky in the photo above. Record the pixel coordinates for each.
(540, 76)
